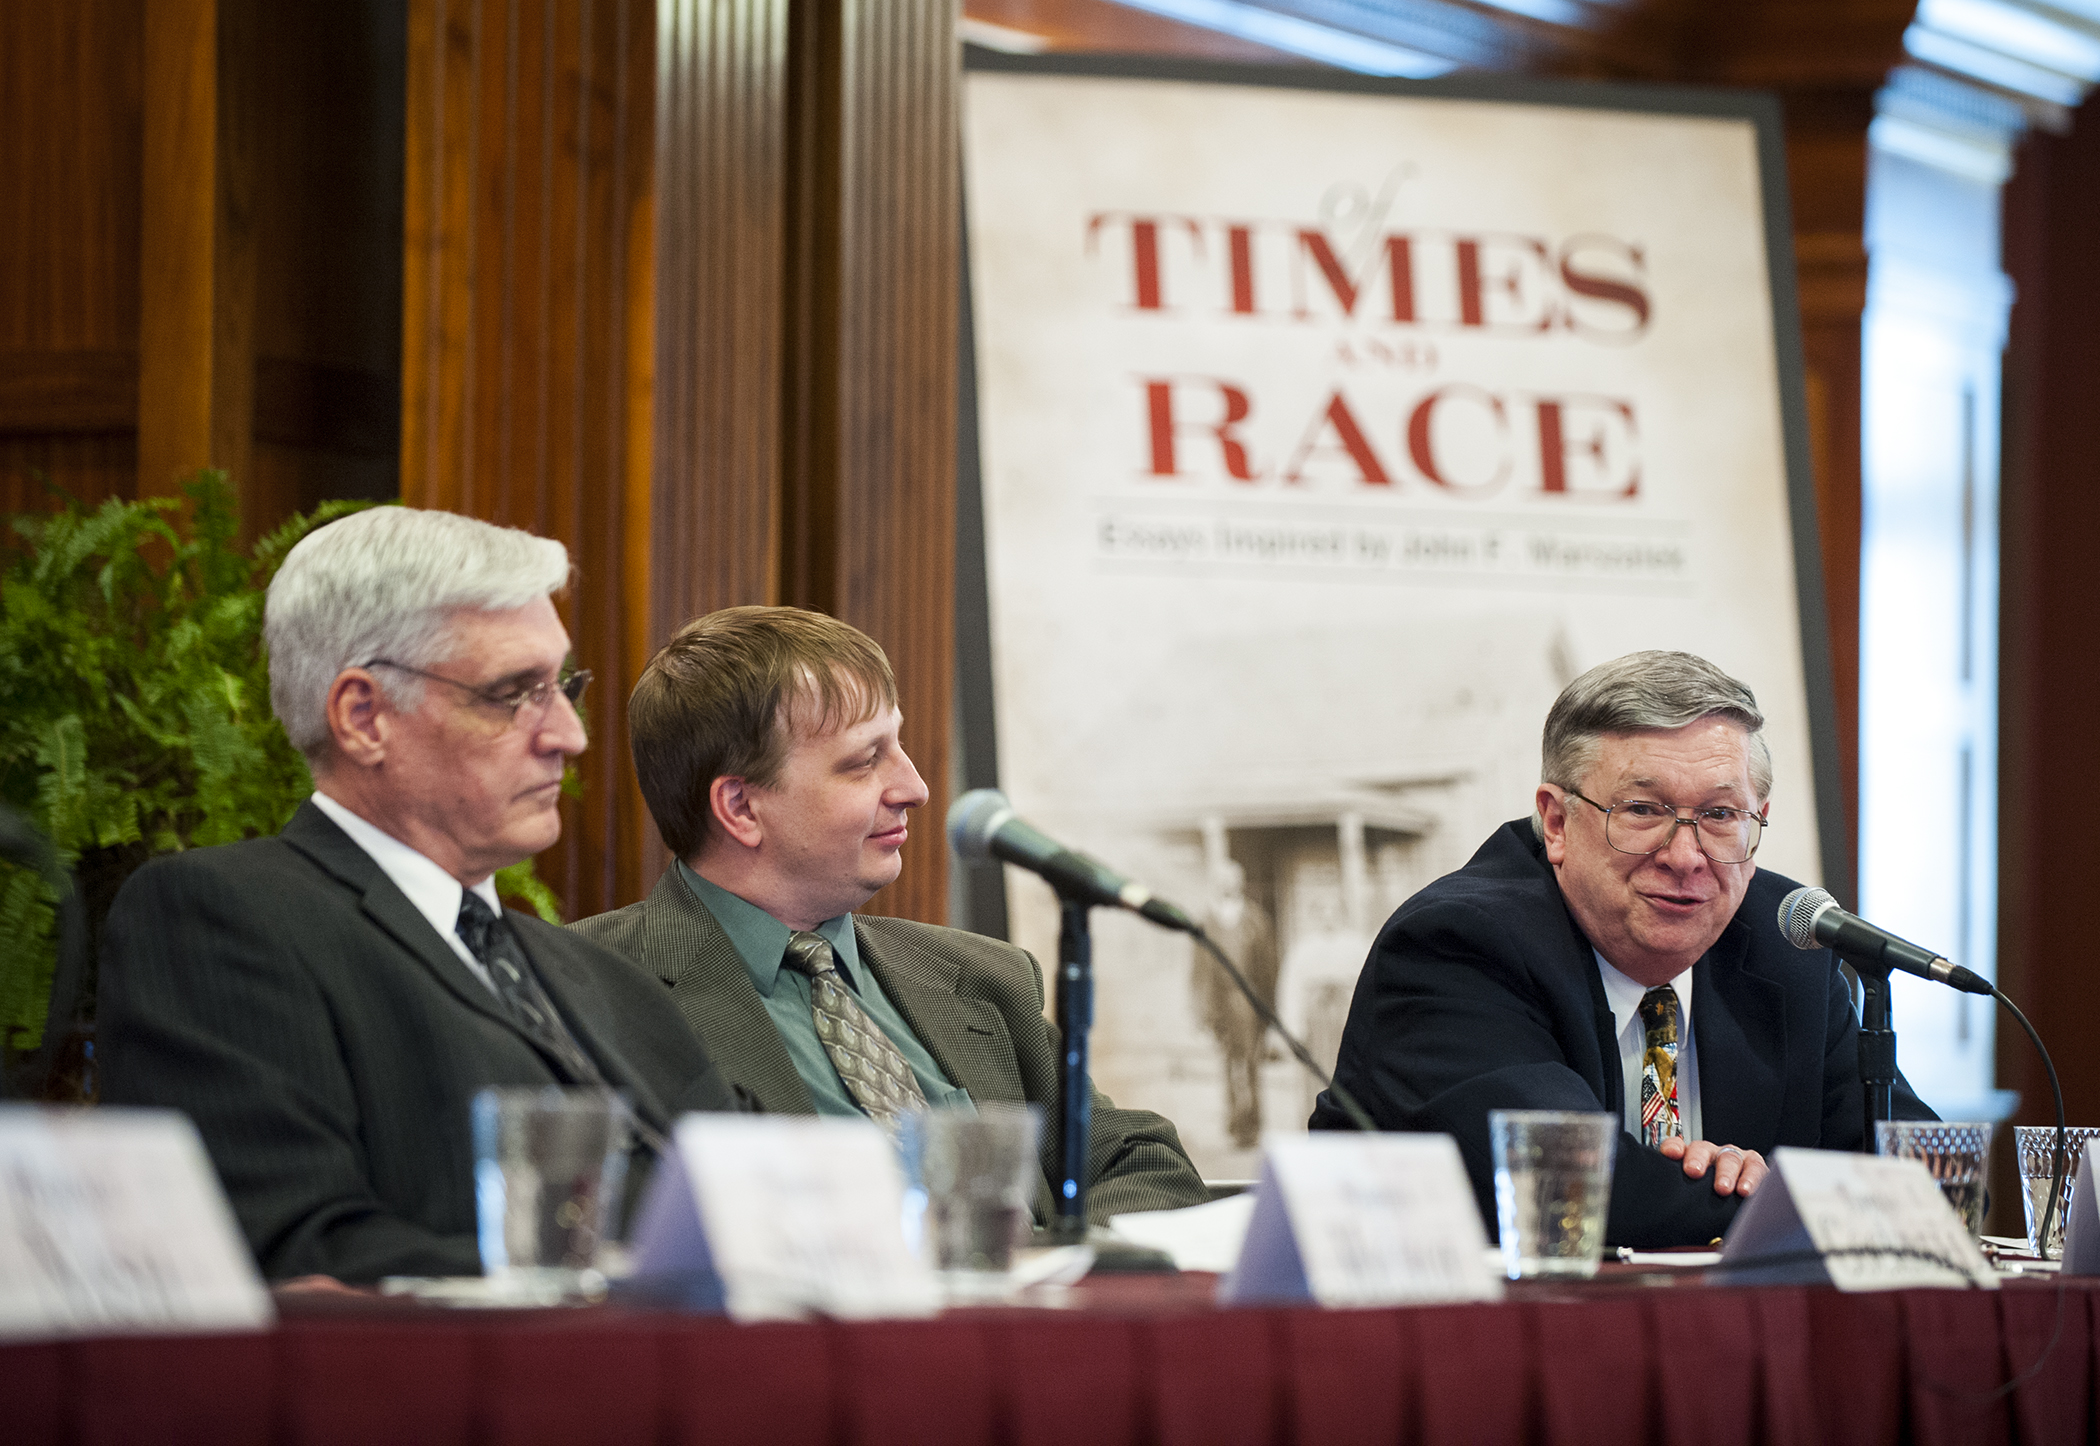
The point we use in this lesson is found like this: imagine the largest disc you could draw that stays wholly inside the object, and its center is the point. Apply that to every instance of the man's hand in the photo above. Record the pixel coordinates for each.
(1736, 1171)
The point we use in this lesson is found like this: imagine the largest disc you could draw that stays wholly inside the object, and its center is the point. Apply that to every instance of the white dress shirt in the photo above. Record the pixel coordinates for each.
(1624, 995)
(435, 893)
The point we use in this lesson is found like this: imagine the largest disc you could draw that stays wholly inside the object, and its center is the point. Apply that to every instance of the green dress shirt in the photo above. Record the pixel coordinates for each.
(761, 942)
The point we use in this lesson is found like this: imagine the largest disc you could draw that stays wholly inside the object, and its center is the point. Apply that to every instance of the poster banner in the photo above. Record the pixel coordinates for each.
(1326, 433)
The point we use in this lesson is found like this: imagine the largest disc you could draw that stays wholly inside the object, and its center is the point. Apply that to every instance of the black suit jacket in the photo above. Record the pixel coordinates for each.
(327, 1041)
(1481, 993)
(975, 1003)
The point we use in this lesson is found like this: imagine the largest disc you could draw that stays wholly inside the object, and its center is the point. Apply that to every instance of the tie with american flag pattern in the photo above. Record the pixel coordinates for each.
(1659, 1118)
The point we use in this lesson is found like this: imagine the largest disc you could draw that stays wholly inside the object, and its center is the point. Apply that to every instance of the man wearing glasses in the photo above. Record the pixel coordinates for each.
(325, 1004)
(1619, 952)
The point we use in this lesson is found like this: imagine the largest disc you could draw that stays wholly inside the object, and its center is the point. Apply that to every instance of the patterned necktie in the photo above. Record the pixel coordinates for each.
(1659, 1120)
(489, 938)
(875, 1074)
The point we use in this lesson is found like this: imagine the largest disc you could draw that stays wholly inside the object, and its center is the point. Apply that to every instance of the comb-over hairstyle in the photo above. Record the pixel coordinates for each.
(1639, 693)
(385, 584)
(725, 697)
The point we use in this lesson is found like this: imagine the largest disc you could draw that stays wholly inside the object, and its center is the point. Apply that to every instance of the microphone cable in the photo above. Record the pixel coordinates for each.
(1358, 1116)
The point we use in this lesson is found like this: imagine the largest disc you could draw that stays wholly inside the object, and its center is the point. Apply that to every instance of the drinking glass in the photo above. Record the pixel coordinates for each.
(1552, 1189)
(976, 1167)
(2037, 1147)
(1957, 1153)
(549, 1164)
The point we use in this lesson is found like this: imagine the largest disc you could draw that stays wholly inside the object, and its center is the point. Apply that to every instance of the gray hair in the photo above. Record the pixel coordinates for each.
(385, 584)
(1640, 693)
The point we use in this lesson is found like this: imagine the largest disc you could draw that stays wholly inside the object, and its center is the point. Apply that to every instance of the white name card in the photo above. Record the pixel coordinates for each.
(2082, 1227)
(1362, 1220)
(1859, 1222)
(774, 1217)
(112, 1221)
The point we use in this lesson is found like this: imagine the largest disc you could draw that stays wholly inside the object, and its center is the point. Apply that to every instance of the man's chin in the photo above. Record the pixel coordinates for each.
(1685, 940)
(536, 836)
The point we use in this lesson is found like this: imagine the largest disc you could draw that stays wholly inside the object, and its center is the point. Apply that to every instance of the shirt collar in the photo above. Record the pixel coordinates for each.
(1624, 995)
(435, 893)
(760, 939)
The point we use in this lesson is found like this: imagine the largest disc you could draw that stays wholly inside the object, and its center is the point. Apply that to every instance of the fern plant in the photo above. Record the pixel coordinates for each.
(135, 707)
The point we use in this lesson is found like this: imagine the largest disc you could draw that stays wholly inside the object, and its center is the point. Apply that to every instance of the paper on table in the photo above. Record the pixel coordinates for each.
(1199, 1237)
(1861, 1222)
(113, 1219)
(774, 1216)
(1362, 1220)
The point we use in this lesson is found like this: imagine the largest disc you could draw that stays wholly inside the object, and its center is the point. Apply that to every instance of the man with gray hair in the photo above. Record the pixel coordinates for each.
(1619, 952)
(326, 1003)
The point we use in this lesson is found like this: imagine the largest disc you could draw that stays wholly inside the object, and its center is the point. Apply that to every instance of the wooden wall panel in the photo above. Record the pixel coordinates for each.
(70, 163)
(2049, 689)
(874, 278)
(808, 253)
(712, 486)
(529, 173)
(197, 242)
(328, 182)
(721, 239)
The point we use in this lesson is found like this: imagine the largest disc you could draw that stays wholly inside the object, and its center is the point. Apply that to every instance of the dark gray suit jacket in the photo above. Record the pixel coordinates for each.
(289, 998)
(1482, 994)
(975, 1003)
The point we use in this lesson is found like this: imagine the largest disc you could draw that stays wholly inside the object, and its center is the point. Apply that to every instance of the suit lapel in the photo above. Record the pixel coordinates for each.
(1739, 1031)
(922, 986)
(684, 946)
(579, 1004)
(314, 834)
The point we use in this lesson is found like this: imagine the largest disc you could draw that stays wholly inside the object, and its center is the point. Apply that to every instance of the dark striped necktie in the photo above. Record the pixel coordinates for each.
(487, 935)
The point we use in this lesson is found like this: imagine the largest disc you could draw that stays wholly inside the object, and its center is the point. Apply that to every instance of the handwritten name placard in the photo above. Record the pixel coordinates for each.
(1859, 1222)
(775, 1217)
(112, 1220)
(1362, 1220)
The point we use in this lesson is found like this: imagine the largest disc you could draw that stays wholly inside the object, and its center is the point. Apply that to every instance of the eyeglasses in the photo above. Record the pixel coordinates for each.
(1638, 826)
(538, 697)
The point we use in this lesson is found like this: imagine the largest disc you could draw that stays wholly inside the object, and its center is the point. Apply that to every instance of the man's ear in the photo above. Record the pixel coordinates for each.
(1553, 818)
(356, 712)
(729, 801)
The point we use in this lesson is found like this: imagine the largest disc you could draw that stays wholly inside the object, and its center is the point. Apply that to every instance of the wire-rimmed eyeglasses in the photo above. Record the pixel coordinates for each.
(1643, 826)
(538, 697)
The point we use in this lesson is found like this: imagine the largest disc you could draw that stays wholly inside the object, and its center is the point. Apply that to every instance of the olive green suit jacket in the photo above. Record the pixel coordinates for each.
(975, 1003)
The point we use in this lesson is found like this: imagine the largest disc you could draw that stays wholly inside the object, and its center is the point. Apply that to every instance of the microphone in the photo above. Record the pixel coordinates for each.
(982, 825)
(1811, 919)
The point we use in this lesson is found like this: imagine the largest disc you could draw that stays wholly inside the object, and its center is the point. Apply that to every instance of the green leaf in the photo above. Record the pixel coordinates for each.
(62, 792)
(28, 909)
(134, 690)
(521, 881)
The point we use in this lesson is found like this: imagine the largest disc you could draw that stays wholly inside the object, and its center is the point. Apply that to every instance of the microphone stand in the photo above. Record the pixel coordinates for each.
(1877, 1048)
(1075, 1017)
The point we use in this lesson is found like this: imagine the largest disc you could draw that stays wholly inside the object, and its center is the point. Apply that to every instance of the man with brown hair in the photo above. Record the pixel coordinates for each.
(767, 745)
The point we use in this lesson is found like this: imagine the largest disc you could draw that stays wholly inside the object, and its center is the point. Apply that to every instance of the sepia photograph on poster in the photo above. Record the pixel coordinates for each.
(1326, 432)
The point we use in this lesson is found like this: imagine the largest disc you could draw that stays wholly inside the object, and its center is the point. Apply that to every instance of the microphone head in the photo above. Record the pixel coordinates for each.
(1798, 913)
(973, 819)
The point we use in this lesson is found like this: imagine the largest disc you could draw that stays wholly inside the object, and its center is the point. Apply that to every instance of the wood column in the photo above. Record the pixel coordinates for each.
(1827, 174)
(809, 246)
(196, 358)
(70, 166)
(2049, 690)
(525, 330)
(874, 277)
(721, 243)
(1827, 61)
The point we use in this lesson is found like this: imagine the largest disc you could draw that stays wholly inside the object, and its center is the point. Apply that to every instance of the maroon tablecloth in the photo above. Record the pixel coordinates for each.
(1141, 1362)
